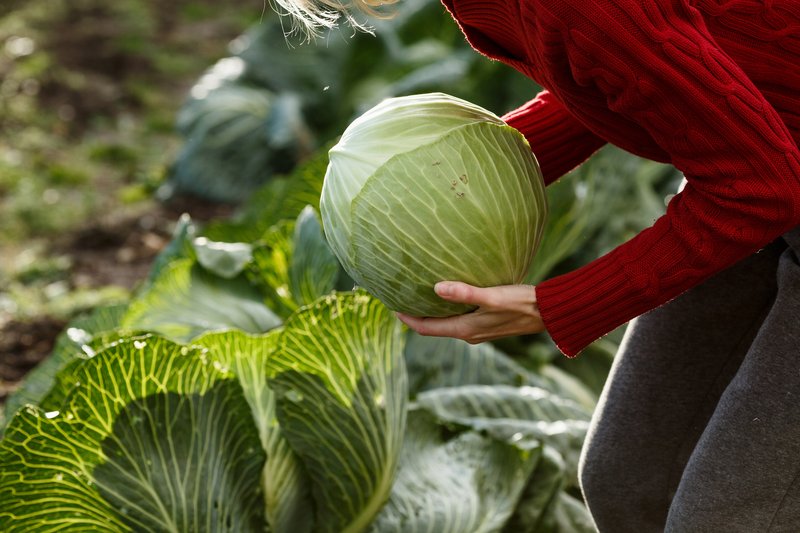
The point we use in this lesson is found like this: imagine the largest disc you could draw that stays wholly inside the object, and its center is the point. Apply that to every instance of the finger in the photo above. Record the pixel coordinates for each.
(455, 326)
(507, 296)
(458, 292)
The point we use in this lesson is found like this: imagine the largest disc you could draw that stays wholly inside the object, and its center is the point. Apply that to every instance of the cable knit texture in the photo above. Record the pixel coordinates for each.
(711, 86)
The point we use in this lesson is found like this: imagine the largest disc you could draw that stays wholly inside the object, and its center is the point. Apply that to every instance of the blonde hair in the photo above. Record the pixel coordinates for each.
(309, 17)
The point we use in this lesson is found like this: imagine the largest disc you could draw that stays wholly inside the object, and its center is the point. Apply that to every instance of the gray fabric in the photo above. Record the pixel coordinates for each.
(698, 428)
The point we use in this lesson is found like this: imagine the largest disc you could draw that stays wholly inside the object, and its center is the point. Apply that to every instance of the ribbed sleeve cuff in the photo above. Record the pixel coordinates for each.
(579, 307)
(559, 142)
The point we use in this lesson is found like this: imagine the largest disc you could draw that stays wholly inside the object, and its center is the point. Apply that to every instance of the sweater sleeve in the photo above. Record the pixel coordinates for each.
(559, 142)
(656, 64)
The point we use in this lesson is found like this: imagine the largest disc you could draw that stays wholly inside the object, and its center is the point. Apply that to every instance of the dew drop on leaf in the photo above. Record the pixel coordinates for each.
(79, 336)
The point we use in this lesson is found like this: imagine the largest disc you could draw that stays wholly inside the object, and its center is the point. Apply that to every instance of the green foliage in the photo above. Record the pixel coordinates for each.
(131, 396)
(293, 264)
(186, 301)
(281, 199)
(469, 482)
(344, 416)
(324, 395)
(305, 428)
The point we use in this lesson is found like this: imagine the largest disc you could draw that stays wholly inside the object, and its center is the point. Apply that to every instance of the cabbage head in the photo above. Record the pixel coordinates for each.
(426, 188)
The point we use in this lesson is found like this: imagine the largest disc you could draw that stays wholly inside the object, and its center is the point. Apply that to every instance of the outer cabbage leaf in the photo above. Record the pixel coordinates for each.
(139, 405)
(466, 484)
(184, 462)
(515, 414)
(435, 362)
(269, 271)
(285, 484)
(225, 259)
(186, 301)
(341, 389)
(293, 265)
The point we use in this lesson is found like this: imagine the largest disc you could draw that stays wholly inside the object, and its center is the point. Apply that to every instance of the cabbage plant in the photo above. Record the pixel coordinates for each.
(306, 428)
(427, 188)
(259, 399)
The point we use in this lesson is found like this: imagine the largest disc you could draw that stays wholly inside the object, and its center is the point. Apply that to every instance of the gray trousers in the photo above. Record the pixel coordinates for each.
(698, 428)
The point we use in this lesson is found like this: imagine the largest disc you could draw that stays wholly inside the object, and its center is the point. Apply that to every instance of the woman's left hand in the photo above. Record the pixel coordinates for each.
(502, 312)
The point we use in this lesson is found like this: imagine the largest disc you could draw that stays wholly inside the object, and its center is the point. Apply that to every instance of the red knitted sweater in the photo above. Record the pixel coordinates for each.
(710, 86)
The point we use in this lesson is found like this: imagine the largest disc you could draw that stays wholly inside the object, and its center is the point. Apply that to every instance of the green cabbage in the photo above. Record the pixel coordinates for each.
(427, 188)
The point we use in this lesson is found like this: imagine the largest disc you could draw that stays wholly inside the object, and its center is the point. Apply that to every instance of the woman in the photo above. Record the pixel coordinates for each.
(698, 428)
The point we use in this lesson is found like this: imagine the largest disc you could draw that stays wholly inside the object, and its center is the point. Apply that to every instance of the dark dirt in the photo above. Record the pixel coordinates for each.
(23, 345)
(117, 250)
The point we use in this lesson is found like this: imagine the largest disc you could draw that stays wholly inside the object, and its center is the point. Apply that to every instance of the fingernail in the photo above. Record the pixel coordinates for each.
(442, 288)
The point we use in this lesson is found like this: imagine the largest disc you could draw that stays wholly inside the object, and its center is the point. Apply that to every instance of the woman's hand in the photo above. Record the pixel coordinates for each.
(502, 312)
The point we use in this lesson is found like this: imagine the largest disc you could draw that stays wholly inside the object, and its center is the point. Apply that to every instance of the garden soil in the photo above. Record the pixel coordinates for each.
(114, 251)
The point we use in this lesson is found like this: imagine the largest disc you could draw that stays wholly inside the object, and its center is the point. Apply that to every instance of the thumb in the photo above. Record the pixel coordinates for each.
(458, 292)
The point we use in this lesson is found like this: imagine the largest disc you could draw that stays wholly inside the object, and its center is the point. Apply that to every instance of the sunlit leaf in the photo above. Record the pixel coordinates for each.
(293, 264)
(341, 401)
(186, 301)
(269, 270)
(162, 417)
(184, 462)
(285, 483)
(225, 259)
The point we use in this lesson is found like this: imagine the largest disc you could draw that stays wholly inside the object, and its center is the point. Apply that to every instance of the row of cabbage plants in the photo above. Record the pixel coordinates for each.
(244, 388)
